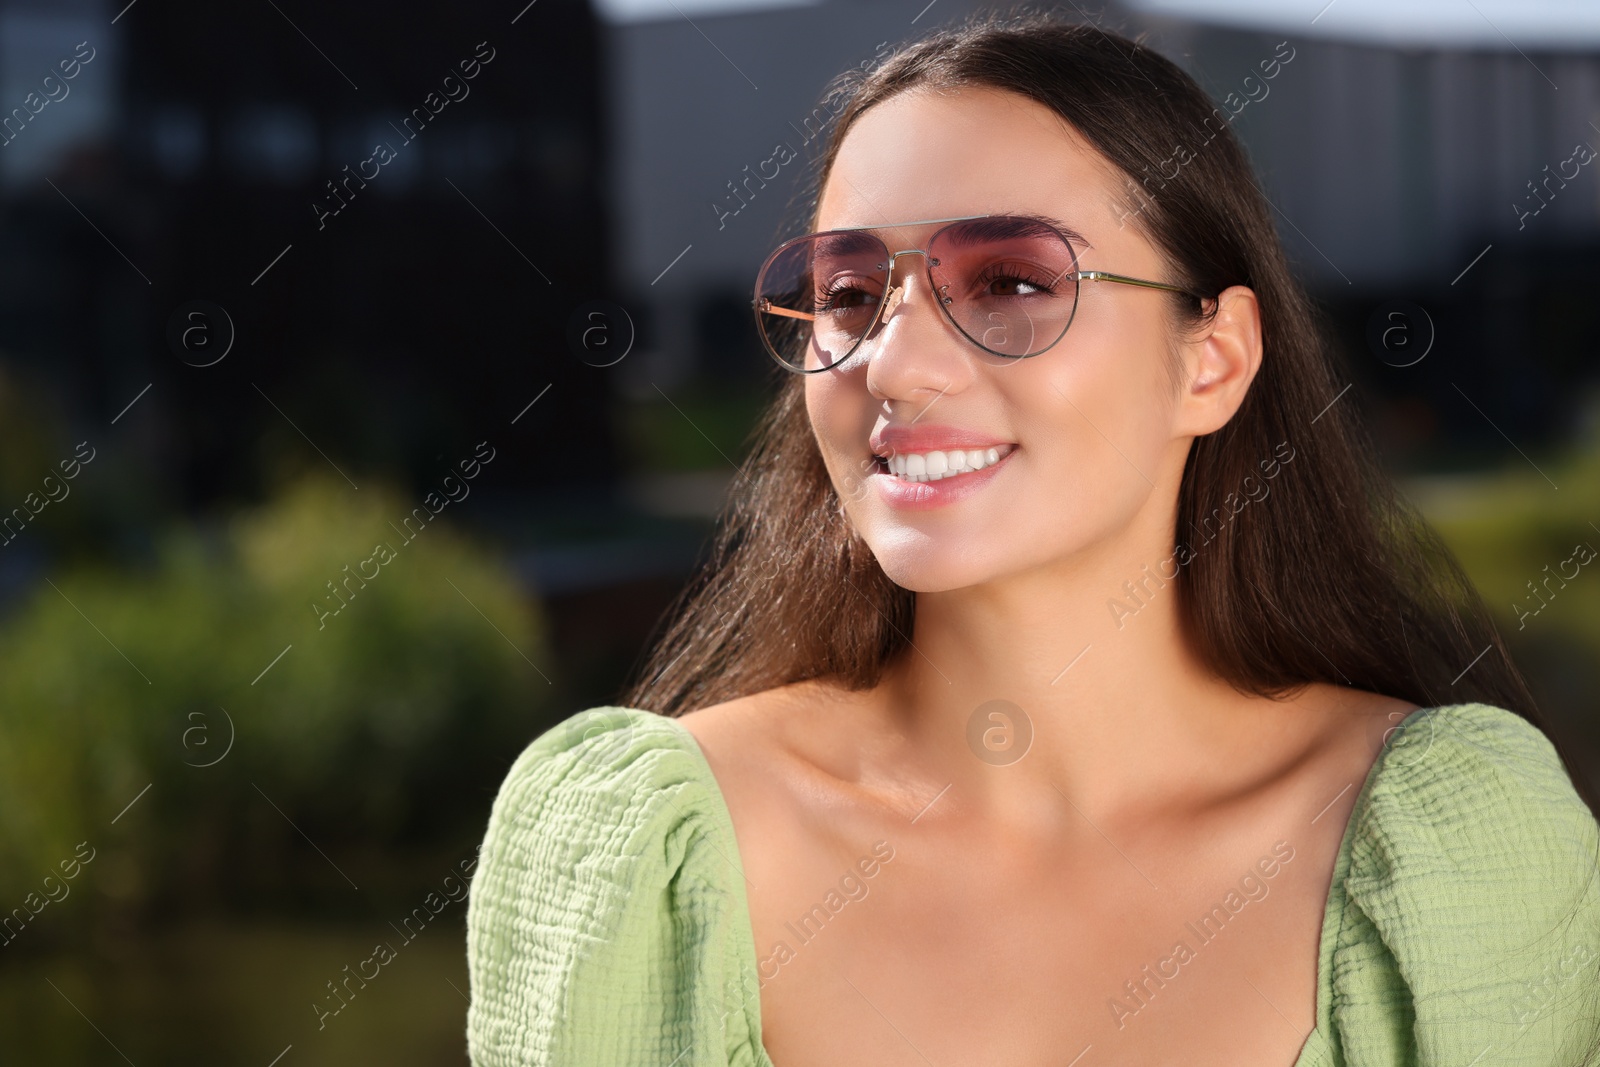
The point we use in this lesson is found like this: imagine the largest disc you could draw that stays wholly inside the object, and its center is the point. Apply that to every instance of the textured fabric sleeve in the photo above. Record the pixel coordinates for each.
(603, 921)
(1473, 930)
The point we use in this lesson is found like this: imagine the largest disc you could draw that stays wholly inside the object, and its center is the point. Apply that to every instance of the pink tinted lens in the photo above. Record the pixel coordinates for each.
(1009, 283)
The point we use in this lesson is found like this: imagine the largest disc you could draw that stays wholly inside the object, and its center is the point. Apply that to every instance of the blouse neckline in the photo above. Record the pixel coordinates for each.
(1314, 1051)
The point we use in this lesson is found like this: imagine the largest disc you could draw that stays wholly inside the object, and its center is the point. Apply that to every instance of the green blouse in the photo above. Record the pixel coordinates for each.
(608, 923)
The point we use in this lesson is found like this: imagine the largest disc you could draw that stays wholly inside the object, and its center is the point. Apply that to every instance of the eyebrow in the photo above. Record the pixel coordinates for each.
(998, 224)
(1013, 224)
(846, 242)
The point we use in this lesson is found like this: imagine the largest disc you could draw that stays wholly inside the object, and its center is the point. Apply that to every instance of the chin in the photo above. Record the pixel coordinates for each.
(925, 567)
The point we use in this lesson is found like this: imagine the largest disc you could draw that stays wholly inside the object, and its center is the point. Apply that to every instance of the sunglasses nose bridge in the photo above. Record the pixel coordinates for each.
(894, 294)
(909, 273)
(895, 256)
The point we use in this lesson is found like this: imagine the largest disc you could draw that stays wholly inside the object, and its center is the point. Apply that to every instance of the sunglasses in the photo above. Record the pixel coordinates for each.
(1008, 283)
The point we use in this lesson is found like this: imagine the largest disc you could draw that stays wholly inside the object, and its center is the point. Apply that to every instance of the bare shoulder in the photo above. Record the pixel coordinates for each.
(749, 726)
(799, 722)
(1355, 722)
(1377, 715)
(773, 739)
(787, 762)
(801, 762)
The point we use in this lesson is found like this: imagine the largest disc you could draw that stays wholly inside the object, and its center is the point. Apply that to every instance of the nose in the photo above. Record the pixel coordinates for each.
(914, 348)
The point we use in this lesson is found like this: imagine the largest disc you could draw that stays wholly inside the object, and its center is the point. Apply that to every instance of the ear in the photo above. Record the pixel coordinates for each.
(1220, 362)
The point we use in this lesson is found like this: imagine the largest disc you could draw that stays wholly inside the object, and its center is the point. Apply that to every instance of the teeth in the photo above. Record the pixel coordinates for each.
(932, 466)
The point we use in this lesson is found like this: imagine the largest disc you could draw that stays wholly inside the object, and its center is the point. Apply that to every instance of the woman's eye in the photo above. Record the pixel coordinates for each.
(844, 297)
(1010, 280)
(1010, 286)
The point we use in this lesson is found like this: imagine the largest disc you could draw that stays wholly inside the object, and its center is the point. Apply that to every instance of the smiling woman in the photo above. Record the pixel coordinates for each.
(977, 441)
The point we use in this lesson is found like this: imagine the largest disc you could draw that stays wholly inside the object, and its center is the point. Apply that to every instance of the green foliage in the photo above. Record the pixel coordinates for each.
(221, 992)
(690, 428)
(387, 722)
(1506, 527)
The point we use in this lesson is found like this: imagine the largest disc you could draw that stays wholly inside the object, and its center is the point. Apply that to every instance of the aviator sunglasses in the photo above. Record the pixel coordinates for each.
(1009, 283)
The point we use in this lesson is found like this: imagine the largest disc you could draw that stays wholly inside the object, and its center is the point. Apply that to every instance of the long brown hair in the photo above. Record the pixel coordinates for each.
(1333, 579)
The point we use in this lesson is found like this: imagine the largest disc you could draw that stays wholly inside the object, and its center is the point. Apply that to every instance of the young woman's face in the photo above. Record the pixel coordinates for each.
(1082, 430)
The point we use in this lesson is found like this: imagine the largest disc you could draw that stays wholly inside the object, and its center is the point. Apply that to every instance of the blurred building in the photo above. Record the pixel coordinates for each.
(1396, 146)
(397, 212)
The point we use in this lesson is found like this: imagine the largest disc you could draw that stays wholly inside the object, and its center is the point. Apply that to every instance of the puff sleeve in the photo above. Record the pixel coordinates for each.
(607, 922)
(1471, 934)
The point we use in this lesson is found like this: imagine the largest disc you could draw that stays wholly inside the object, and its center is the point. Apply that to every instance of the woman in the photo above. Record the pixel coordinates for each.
(1054, 695)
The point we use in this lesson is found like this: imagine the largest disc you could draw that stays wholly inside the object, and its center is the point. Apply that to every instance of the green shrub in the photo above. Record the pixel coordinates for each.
(385, 724)
(1508, 525)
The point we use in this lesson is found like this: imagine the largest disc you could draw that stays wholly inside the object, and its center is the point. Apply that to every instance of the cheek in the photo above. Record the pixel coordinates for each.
(1109, 406)
(840, 415)
(1095, 425)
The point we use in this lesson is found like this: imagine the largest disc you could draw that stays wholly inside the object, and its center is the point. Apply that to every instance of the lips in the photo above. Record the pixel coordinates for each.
(892, 440)
(906, 490)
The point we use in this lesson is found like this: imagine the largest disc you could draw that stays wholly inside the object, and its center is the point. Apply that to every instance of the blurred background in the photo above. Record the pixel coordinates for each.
(370, 376)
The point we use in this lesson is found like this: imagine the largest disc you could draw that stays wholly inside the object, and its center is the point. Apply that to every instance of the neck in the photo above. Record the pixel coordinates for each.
(1086, 664)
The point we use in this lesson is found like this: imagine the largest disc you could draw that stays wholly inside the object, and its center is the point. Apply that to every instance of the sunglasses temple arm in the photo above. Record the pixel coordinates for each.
(1104, 276)
(772, 309)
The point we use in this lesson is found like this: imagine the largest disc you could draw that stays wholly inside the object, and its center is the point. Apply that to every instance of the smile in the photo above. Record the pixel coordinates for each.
(935, 466)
